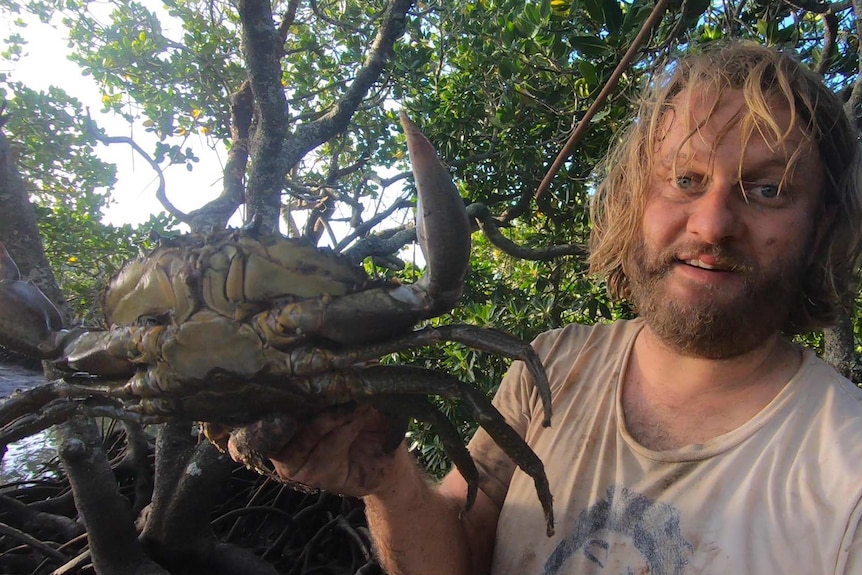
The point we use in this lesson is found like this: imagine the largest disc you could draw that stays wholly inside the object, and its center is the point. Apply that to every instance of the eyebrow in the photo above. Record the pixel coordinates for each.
(775, 163)
(679, 157)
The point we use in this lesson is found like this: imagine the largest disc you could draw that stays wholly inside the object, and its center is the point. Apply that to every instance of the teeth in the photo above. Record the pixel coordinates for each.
(700, 264)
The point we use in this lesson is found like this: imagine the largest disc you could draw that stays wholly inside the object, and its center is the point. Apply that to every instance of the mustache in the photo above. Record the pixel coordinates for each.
(720, 256)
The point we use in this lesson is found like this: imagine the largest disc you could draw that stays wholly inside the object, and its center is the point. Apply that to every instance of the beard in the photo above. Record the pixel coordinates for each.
(716, 324)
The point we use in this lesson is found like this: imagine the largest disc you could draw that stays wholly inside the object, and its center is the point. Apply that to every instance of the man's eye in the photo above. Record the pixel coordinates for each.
(684, 182)
(767, 191)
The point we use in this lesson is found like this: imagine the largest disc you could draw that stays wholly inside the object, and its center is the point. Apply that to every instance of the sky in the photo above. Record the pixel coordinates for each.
(134, 193)
(135, 190)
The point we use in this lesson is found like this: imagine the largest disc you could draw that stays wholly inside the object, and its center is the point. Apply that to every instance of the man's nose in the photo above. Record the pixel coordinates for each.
(715, 215)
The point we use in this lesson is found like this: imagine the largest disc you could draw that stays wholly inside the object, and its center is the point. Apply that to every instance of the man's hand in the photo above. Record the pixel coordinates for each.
(417, 528)
(340, 450)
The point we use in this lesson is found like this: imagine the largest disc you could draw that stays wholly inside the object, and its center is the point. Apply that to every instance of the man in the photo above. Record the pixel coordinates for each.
(696, 438)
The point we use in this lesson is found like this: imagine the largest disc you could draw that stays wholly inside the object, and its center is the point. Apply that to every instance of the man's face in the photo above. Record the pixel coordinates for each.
(723, 251)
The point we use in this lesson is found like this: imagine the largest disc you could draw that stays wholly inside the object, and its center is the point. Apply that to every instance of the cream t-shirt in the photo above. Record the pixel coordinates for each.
(779, 495)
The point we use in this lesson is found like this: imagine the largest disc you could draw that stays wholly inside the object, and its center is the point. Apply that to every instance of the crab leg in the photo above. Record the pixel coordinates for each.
(512, 445)
(310, 360)
(404, 380)
(27, 412)
(251, 358)
(420, 408)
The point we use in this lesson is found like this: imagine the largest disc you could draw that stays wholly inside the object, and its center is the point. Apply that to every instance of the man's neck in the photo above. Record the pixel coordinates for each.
(671, 400)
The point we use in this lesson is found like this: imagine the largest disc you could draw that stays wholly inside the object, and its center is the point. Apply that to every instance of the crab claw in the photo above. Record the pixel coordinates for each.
(29, 322)
(443, 230)
(442, 225)
(8, 269)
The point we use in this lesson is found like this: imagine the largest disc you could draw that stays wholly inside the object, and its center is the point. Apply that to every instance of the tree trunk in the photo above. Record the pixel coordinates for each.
(18, 230)
(839, 349)
(114, 545)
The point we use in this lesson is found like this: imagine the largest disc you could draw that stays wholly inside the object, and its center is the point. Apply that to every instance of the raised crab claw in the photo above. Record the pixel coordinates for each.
(234, 325)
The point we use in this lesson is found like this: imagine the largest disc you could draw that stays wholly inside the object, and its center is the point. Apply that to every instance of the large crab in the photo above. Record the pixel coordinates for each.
(229, 326)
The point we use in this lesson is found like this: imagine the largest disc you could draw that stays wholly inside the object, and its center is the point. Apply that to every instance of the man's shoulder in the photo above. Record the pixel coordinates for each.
(577, 348)
(829, 407)
(578, 335)
(829, 389)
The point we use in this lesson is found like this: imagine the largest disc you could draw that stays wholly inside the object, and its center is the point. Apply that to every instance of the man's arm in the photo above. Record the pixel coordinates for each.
(421, 529)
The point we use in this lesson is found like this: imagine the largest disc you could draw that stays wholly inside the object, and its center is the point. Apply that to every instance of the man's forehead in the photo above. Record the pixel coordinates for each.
(697, 121)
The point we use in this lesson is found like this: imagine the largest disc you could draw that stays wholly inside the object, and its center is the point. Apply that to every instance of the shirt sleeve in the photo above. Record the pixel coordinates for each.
(512, 400)
(520, 404)
(850, 555)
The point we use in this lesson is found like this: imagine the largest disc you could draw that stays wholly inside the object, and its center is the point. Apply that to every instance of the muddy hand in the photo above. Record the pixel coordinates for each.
(341, 450)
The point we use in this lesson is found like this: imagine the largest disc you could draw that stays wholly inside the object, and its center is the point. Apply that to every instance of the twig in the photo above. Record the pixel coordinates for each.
(72, 566)
(367, 226)
(44, 548)
(161, 195)
(856, 94)
(580, 130)
(489, 227)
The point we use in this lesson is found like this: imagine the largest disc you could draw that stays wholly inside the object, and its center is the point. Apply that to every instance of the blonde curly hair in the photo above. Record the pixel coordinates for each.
(766, 77)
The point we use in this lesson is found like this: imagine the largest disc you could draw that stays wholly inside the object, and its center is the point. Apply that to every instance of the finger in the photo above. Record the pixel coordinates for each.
(321, 448)
(270, 434)
(261, 438)
(294, 452)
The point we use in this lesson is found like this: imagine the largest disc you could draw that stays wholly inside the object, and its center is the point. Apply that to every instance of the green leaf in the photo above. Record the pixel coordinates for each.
(589, 46)
(532, 15)
(613, 15)
(694, 9)
(588, 72)
(634, 17)
(595, 10)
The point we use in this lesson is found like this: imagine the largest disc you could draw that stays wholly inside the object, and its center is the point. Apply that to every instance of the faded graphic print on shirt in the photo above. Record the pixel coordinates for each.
(625, 533)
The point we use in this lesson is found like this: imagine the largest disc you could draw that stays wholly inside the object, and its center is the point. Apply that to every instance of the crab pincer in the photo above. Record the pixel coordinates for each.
(29, 322)
(442, 225)
(443, 231)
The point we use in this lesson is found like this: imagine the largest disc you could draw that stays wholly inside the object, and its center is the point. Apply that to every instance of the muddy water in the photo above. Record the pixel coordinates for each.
(24, 459)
